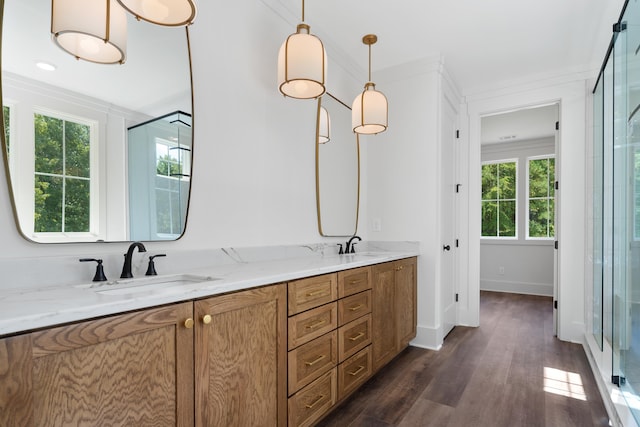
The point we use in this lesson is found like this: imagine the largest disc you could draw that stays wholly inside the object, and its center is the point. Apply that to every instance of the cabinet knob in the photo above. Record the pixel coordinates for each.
(188, 323)
(206, 319)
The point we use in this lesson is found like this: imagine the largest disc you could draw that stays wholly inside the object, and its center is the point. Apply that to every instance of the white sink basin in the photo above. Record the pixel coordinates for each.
(152, 284)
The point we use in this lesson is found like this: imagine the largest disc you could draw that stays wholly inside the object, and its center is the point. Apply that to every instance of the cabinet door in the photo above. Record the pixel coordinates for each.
(130, 369)
(241, 358)
(406, 308)
(383, 314)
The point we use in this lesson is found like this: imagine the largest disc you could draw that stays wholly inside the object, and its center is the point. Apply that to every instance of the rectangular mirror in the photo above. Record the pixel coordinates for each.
(67, 143)
(337, 169)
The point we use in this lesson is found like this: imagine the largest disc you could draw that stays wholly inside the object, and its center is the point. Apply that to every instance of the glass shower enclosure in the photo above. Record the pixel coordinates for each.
(159, 169)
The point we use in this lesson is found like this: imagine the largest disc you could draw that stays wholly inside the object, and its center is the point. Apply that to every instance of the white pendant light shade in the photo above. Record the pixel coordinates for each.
(369, 112)
(324, 126)
(170, 13)
(302, 65)
(93, 30)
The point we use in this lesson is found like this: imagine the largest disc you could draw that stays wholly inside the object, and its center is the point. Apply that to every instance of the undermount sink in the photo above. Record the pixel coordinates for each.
(153, 284)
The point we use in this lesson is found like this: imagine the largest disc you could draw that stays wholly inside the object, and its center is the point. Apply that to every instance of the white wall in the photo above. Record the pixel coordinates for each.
(521, 265)
(254, 158)
(404, 177)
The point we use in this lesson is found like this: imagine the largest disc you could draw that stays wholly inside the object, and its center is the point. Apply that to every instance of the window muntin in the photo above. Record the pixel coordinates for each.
(541, 197)
(499, 199)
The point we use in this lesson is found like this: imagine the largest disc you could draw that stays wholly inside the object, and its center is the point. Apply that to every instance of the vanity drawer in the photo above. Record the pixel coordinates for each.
(309, 361)
(353, 281)
(312, 292)
(353, 307)
(311, 324)
(312, 402)
(353, 337)
(353, 372)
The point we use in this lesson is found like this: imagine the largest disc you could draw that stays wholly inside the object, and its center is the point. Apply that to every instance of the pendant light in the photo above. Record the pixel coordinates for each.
(169, 13)
(324, 126)
(93, 30)
(369, 112)
(302, 64)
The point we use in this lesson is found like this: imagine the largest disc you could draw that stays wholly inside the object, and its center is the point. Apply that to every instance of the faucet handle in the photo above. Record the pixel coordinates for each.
(99, 276)
(353, 247)
(341, 251)
(151, 270)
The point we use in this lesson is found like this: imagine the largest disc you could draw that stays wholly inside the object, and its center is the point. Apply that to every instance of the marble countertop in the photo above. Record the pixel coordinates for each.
(32, 308)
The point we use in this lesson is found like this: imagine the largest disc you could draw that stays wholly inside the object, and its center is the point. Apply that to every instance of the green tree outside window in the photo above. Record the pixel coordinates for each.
(499, 206)
(62, 175)
(541, 198)
(6, 114)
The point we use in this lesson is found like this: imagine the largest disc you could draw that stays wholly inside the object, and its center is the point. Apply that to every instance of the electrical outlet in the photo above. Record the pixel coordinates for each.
(501, 270)
(377, 224)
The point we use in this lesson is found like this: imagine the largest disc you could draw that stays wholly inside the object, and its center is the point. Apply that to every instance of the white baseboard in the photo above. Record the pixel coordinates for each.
(428, 337)
(543, 289)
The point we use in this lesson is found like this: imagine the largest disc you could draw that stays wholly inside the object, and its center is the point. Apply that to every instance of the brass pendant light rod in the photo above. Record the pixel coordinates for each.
(369, 39)
(302, 10)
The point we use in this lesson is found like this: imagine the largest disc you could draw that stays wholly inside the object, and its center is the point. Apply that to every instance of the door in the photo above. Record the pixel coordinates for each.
(134, 369)
(556, 223)
(448, 215)
(241, 358)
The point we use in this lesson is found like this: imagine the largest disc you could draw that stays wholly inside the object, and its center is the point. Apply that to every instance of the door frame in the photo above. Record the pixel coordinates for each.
(571, 95)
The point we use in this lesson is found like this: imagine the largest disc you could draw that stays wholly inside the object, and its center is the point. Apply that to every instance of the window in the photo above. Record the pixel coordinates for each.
(499, 206)
(6, 114)
(62, 181)
(172, 176)
(541, 198)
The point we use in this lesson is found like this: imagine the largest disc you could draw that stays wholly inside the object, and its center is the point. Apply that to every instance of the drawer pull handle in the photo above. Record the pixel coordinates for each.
(357, 371)
(400, 268)
(356, 307)
(322, 356)
(315, 324)
(206, 319)
(316, 293)
(355, 282)
(189, 323)
(315, 402)
(357, 337)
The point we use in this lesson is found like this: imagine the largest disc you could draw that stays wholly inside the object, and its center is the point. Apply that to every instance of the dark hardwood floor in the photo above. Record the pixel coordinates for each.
(511, 371)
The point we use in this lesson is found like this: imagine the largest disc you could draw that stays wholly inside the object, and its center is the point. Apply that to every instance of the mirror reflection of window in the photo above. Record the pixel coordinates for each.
(172, 166)
(6, 115)
(62, 182)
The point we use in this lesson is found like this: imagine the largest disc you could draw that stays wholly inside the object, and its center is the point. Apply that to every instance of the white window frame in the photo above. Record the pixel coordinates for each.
(526, 219)
(186, 167)
(94, 198)
(517, 185)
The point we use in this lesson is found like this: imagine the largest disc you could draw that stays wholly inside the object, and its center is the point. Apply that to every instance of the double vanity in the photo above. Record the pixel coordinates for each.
(264, 343)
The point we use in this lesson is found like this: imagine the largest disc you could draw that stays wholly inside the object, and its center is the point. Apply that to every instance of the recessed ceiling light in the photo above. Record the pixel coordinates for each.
(45, 66)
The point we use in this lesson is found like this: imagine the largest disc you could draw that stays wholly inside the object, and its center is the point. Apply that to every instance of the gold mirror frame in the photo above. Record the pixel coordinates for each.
(346, 133)
(4, 147)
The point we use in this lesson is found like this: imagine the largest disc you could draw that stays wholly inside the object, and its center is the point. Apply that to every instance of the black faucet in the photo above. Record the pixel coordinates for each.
(126, 268)
(350, 248)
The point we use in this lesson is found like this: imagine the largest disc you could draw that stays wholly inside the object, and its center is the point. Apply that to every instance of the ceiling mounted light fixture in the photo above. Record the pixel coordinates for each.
(324, 126)
(93, 30)
(369, 112)
(302, 64)
(169, 13)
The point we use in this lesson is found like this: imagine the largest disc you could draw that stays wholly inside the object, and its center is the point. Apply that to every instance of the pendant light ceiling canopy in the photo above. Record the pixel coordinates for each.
(93, 30)
(324, 126)
(170, 13)
(302, 64)
(369, 112)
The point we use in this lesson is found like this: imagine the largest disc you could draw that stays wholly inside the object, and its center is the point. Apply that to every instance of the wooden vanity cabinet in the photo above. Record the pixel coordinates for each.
(137, 369)
(394, 309)
(129, 369)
